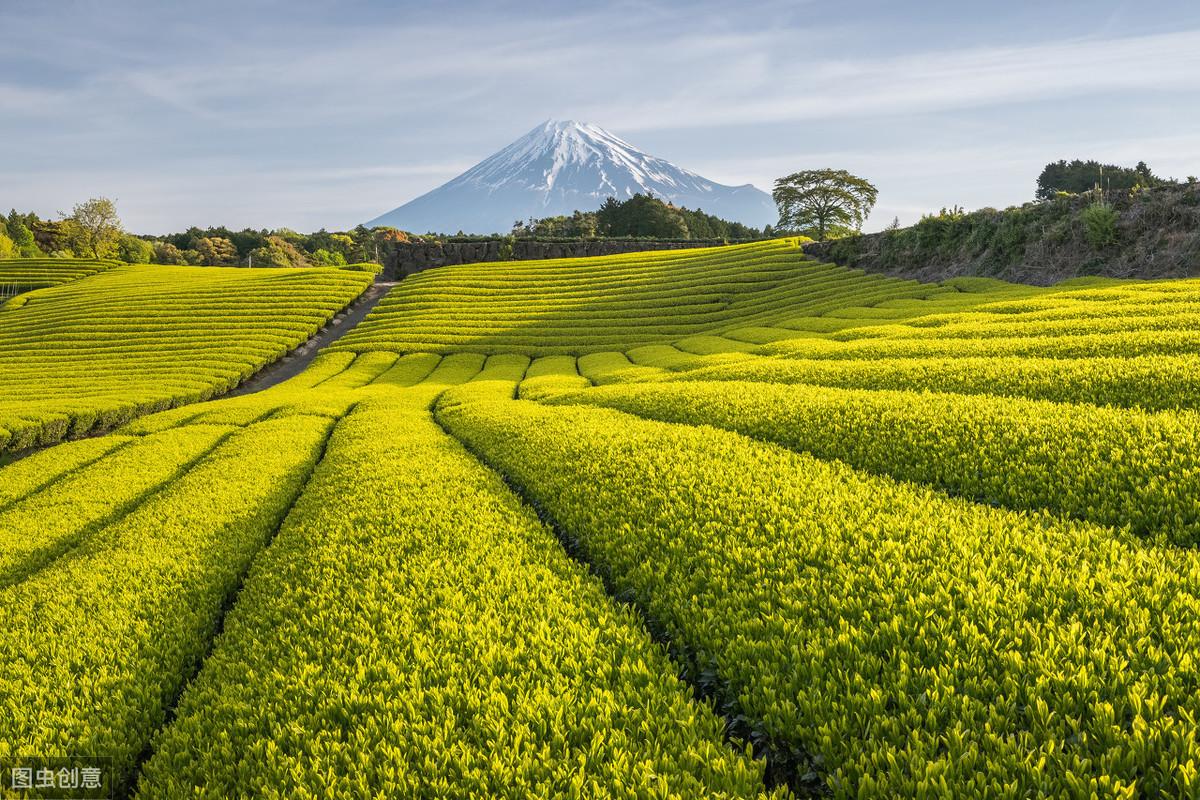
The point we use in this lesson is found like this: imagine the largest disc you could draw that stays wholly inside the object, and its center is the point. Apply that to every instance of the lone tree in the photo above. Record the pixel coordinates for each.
(821, 202)
(99, 225)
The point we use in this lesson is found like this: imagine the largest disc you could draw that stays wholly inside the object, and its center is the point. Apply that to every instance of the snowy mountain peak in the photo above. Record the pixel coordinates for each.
(579, 151)
(562, 166)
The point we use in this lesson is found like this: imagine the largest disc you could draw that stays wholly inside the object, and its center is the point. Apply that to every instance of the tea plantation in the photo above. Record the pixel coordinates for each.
(707, 523)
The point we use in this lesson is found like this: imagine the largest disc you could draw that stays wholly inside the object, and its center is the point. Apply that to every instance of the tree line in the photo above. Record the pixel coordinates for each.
(640, 216)
(830, 204)
(1080, 177)
(93, 229)
(820, 204)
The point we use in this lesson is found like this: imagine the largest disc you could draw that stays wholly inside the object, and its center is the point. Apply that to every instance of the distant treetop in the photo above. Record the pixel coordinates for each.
(642, 215)
(1077, 177)
(93, 230)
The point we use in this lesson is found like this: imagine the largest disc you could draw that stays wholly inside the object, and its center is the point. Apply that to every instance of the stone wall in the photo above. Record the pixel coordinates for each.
(408, 258)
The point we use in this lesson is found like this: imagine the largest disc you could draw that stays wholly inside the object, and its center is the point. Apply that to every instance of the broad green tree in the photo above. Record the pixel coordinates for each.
(341, 244)
(216, 251)
(326, 258)
(99, 226)
(26, 246)
(167, 253)
(133, 250)
(823, 202)
(641, 215)
(278, 252)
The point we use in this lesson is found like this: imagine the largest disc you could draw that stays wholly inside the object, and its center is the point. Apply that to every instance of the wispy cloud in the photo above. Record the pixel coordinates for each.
(924, 82)
(386, 171)
(365, 104)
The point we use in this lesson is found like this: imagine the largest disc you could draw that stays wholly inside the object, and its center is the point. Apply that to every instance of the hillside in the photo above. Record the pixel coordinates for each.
(90, 354)
(586, 305)
(737, 523)
(1151, 233)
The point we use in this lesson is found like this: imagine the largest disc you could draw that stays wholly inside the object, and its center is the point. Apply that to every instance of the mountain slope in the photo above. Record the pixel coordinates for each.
(562, 166)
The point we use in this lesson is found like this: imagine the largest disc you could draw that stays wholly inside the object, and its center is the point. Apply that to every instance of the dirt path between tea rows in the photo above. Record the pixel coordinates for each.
(298, 360)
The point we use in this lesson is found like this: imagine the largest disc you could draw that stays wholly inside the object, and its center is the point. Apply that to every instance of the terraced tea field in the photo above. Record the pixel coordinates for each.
(579, 306)
(89, 354)
(720, 523)
(26, 274)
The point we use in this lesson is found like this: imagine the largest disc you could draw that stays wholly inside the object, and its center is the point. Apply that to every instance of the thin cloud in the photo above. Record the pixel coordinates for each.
(931, 82)
(446, 170)
(326, 115)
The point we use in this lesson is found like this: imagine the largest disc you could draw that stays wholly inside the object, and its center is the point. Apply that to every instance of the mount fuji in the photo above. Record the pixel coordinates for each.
(563, 166)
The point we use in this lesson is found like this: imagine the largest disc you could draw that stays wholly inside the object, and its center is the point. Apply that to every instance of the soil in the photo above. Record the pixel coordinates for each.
(298, 360)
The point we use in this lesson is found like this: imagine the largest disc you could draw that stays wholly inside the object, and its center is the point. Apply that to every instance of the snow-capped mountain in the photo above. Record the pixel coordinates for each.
(563, 166)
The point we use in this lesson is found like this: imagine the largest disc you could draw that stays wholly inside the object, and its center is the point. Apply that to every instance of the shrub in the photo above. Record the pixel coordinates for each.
(326, 258)
(133, 250)
(366, 266)
(506, 249)
(1099, 224)
(1011, 235)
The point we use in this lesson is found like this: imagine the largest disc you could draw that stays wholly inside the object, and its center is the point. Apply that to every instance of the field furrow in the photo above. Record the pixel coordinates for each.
(41, 527)
(1111, 466)
(915, 645)
(100, 643)
(132, 340)
(413, 631)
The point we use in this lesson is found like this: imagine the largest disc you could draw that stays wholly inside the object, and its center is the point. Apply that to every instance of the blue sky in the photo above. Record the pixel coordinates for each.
(325, 114)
